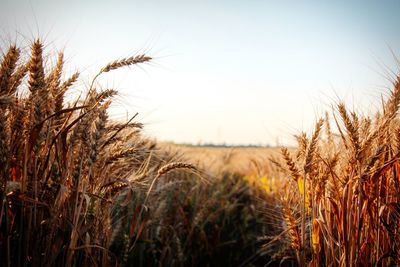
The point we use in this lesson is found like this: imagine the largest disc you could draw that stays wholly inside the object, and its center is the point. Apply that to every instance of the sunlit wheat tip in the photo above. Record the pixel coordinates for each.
(175, 165)
(126, 62)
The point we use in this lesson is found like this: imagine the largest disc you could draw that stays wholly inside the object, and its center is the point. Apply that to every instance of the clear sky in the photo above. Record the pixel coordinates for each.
(224, 71)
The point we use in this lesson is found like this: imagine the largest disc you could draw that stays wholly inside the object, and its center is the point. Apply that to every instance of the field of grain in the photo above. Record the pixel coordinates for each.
(231, 159)
(79, 189)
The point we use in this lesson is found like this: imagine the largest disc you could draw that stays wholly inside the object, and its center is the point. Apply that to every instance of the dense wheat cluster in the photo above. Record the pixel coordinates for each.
(346, 210)
(79, 189)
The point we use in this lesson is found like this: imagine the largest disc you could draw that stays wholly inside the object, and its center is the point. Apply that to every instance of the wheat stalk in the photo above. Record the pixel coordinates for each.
(17, 78)
(7, 68)
(173, 166)
(125, 62)
(133, 60)
(35, 67)
(312, 146)
(290, 163)
(352, 129)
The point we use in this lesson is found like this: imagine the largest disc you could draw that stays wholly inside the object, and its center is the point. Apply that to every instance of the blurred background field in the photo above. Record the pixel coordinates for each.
(235, 159)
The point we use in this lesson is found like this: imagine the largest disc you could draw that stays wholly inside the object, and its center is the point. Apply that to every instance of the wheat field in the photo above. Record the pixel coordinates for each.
(79, 189)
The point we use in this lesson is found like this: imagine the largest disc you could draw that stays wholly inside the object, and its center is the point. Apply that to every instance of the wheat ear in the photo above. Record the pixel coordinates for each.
(7, 68)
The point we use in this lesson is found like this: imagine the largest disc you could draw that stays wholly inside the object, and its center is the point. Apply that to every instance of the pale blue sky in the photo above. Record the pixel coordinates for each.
(224, 71)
